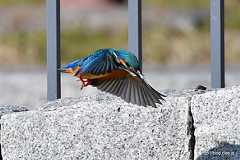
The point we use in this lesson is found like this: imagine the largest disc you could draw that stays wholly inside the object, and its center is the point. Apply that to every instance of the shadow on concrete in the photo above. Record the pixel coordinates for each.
(224, 151)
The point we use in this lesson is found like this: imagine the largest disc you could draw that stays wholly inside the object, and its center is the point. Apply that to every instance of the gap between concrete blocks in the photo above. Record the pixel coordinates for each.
(190, 130)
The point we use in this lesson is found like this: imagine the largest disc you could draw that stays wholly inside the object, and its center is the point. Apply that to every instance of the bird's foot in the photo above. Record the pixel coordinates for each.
(81, 86)
(84, 83)
(88, 82)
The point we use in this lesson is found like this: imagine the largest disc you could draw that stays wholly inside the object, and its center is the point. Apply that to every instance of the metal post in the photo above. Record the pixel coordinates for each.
(135, 28)
(53, 50)
(217, 46)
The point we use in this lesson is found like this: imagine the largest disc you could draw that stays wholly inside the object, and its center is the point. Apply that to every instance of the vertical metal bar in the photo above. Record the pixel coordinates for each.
(217, 46)
(53, 50)
(135, 28)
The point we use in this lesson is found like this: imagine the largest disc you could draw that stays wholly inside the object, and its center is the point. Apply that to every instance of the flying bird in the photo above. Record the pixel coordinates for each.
(116, 72)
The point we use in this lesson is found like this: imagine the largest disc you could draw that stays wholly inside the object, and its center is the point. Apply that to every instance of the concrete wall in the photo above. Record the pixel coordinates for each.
(189, 125)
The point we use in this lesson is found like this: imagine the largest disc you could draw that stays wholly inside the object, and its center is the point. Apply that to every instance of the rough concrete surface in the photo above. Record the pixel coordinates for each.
(100, 127)
(189, 125)
(7, 109)
(217, 121)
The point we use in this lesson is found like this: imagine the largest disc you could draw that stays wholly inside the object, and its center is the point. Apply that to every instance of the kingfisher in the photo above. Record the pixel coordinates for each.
(116, 71)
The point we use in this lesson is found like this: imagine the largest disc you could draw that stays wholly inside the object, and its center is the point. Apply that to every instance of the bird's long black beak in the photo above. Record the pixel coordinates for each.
(65, 70)
(61, 69)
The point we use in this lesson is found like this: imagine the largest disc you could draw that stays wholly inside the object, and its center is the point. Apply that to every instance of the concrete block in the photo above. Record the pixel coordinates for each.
(7, 109)
(100, 127)
(217, 121)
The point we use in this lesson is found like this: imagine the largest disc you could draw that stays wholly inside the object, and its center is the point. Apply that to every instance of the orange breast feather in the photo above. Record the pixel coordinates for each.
(111, 75)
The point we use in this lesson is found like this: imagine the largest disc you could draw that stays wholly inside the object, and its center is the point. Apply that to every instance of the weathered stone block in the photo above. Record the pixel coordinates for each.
(102, 127)
(7, 109)
(217, 121)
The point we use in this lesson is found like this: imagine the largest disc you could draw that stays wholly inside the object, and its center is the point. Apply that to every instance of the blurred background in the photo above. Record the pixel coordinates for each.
(176, 43)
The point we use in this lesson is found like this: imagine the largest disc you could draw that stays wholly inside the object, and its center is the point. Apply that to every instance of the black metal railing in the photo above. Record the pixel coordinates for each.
(134, 42)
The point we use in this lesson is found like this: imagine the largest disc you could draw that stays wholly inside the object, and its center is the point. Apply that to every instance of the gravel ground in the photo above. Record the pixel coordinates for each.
(28, 88)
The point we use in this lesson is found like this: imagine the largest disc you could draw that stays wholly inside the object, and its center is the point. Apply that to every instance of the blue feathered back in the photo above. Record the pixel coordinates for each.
(103, 61)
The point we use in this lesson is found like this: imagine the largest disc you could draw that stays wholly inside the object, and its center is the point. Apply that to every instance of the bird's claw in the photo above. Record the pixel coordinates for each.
(82, 86)
(84, 83)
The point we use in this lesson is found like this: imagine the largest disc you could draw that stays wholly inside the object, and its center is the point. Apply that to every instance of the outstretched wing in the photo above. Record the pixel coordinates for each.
(74, 64)
(101, 62)
(132, 89)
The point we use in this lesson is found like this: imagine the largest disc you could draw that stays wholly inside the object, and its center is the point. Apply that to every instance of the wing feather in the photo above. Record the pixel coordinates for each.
(119, 86)
(110, 86)
(122, 81)
(99, 63)
(143, 97)
(124, 91)
(149, 97)
(104, 85)
(136, 94)
(133, 90)
(140, 95)
(152, 95)
(113, 85)
(127, 95)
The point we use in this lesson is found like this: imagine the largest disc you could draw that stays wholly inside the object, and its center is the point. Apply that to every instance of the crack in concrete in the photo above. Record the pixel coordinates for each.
(190, 131)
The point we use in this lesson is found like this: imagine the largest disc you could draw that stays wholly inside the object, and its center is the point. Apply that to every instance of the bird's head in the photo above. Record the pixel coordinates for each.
(129, 61)
(71, 68)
